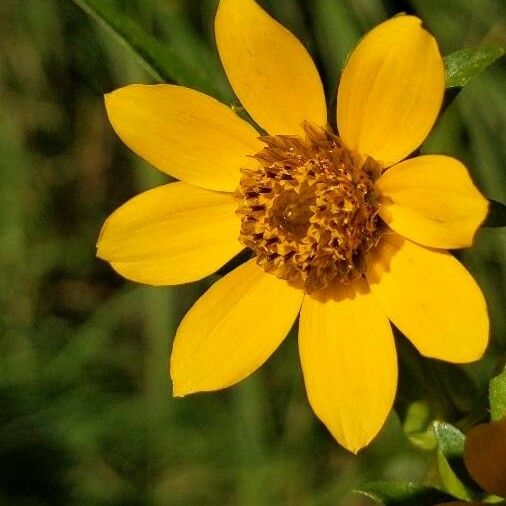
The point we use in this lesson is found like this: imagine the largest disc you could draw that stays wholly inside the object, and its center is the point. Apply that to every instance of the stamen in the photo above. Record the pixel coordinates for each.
(309, 211)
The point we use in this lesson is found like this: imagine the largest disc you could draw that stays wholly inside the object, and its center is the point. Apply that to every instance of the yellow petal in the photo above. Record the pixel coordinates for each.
(391, 90)
(349, 362)
(172, 234)
(184, 133)
(232, 329)
(432, 200)
(485, 456)
(431, 298)
(269, 69)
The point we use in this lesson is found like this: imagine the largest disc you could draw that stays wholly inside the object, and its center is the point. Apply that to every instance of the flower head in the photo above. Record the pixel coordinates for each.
(341, 229)
(309, 210)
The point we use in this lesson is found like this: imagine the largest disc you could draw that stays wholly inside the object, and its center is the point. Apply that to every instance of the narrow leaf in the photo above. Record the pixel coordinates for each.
(450, 460)
(403, 494)
(450, 481)
(328, 19)
(162, 64)
(465, 64)
(496, 214)
(497, 395)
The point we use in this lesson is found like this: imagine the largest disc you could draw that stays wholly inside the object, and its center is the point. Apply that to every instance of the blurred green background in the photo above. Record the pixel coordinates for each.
(86, 413)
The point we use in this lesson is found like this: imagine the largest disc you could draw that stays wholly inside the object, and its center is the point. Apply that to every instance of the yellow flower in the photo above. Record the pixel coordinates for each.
(336, 236)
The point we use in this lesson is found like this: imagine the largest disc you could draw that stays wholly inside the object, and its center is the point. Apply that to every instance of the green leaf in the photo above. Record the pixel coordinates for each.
(417, 425)
(159, 60)
(450, 462)
(496, 214)
(449, 479)
(463, 65)
(450, 440)
(403, 494)
(497, 396)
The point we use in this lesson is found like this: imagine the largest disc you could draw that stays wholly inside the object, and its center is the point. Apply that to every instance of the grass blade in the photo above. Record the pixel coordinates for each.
(462, 66)
(160, 61)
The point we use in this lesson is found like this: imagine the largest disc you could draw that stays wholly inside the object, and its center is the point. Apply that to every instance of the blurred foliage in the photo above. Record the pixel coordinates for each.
(87, 416)
(497, 396)
(470, 468)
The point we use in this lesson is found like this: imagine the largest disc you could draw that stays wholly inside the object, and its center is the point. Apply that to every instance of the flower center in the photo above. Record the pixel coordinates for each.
(309, 210)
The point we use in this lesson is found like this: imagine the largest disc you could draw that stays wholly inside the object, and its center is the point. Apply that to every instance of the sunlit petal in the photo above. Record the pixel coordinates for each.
(184, 133)
(391, 90)
(349, 362)
(172, 234)
(431, 298)
(269, 69)
(232, 329)
(433, 201)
